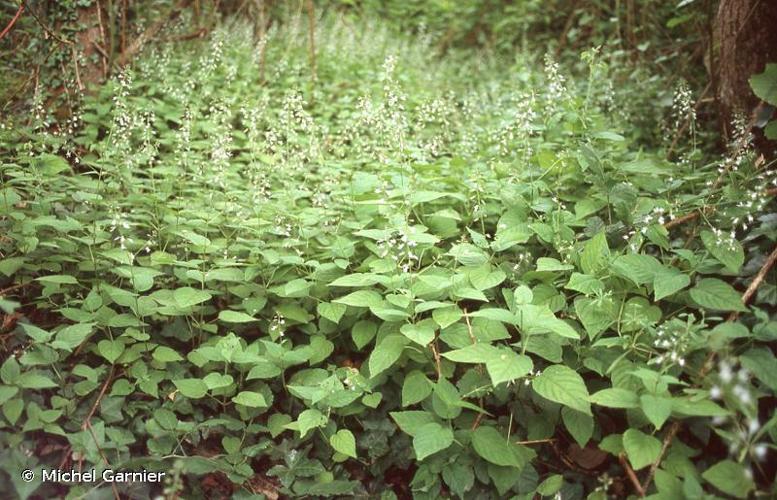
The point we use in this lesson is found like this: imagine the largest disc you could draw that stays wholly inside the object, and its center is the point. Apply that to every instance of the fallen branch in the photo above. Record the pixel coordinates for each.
(13, 21)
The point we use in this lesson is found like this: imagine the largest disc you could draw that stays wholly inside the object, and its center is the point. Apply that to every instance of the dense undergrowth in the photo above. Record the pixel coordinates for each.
(397, 279)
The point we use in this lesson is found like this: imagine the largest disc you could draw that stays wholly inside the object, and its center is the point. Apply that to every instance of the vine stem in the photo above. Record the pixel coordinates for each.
(695, 214)
(707, 366)
(88, 420)
(631, 475)
(13, 21)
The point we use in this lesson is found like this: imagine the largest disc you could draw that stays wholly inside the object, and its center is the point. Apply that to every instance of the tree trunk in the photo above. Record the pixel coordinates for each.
(746, 32)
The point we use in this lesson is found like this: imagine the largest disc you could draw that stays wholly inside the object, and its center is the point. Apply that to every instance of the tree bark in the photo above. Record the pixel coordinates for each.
(746, 33)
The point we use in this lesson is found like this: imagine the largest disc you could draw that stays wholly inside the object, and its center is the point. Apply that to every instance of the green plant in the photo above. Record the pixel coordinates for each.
(482, 288)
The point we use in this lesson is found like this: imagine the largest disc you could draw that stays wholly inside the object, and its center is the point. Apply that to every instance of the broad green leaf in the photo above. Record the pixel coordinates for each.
(411, 421)
(415, 388)
(363, 332)
(468, 254)
(344, 442)
(580, 425)
(430, 439)
(356, 280)
(724, 248)
(72, 336)
(718, 295)
(730, 478)
(585, 284)
(310, 419)
(764, 84)
(596, 314)
(534, 319)
(250, 399)
(218, 381)
(657, 409)
(235, 317)
(668, 281)
(58, 279)
(595, 255)
(192, 388)
(360, 298)
(615, 398)
(641, 448)
(164, 354)
(330, 311)
(638, 268)
(475, 353)
(188, 297)
(551, 264)
(421, 333)
(386, 353)
(263, 369)
(563, 385)
(702, 408)
(110, 349)
(497, 449)
(35, 380)
(446, 316)
(507, 366)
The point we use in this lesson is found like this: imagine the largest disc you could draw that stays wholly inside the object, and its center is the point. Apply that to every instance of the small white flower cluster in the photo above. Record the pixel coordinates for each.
(673, 341)
(282, 226)
(726, 239)
(277, 326)
(400, 246)
(735, 382)
(211, 59)
(556, 83)
(532, 373)
(682, 106)
(348, 381)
